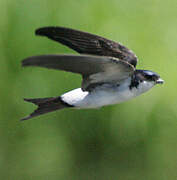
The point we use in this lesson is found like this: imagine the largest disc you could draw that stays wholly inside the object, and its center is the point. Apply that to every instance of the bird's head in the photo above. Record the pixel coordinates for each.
(148, 76)
(144, 80)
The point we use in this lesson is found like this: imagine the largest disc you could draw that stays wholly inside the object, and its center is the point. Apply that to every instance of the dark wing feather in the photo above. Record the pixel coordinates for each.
(94, 69)
(86, 43)
(84, 65)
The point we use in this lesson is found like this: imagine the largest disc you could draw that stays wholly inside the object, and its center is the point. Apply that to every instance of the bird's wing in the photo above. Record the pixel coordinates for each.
(86, 43)
(94, 69)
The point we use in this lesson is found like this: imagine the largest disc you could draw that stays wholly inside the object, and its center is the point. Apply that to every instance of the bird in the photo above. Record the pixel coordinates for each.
(108, 70)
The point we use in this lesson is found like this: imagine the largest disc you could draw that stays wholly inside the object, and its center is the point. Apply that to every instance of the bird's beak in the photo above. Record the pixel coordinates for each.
(160, 81)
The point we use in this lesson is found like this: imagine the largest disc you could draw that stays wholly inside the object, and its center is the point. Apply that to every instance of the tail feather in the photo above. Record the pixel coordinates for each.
(46, 105)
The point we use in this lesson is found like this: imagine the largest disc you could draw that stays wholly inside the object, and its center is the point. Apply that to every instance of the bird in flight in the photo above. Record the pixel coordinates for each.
(108, 70)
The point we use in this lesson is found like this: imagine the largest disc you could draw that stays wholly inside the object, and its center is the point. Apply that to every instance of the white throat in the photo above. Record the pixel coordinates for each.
(144, 86)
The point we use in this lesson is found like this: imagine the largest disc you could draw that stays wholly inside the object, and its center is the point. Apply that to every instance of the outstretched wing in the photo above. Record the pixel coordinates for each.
(86, 43)
(94, 69)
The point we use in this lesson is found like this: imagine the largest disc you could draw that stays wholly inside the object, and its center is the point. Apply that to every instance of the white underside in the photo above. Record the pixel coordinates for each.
(104, 95)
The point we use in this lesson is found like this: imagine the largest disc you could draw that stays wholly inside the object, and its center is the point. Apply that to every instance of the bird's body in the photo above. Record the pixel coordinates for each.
(104, 95)
(109, 74)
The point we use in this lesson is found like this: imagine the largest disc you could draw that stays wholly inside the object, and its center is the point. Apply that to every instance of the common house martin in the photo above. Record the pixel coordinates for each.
(108, 70)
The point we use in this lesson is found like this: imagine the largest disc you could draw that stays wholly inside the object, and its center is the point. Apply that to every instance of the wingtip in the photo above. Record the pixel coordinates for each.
(39, 31)
(44, 31)
(27, 100)
(25, 118)
(28, 62)
(24, 63)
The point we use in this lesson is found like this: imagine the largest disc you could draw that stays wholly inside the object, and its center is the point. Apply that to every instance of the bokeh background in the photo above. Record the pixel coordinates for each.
(129, 141)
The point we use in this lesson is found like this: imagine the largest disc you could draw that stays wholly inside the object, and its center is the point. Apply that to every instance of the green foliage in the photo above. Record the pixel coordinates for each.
(134, 140)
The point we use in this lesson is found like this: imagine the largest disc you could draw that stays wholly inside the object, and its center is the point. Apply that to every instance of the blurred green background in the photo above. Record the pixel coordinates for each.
(136, 140)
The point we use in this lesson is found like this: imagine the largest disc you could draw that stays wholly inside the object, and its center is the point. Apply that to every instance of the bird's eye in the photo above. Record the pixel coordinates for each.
(149, 77)
(155, 78)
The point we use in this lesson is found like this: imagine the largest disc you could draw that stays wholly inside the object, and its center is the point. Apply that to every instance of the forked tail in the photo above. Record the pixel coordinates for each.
(46, 105)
